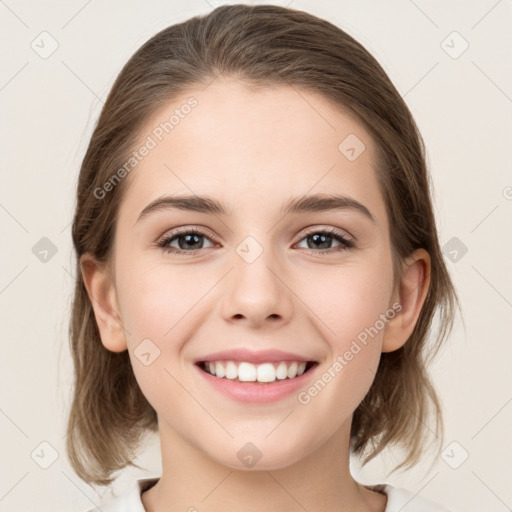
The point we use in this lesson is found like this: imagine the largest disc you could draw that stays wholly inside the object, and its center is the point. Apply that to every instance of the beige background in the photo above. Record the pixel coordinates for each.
(463, 107)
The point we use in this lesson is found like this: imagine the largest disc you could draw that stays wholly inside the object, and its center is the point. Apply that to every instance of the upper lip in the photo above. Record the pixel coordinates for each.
(255, 357)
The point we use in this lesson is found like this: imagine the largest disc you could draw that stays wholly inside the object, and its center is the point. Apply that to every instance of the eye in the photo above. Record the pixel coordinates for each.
(189, 241)
(322, 237)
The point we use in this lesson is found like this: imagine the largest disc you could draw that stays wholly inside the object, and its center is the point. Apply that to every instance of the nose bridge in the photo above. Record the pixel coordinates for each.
(255, 289)
(256, 264)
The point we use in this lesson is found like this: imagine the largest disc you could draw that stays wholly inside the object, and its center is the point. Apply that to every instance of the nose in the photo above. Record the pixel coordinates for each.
(257, 292)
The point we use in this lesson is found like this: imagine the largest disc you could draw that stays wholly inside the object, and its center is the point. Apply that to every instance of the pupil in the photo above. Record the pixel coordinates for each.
(188, 237)
(322, 237)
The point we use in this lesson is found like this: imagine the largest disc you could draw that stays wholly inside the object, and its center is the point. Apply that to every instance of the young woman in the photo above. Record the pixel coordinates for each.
(258, 269)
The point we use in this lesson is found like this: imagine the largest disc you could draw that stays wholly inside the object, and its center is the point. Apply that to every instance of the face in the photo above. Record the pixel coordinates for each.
(315, 283)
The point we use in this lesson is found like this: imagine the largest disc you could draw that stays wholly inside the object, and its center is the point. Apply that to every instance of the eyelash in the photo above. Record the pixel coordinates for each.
(334, 233)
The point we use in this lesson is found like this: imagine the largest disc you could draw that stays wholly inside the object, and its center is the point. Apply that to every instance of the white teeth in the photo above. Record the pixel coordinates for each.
(282, 371)
(248, 372)
(292, 370)
(231, 370)
(266, 372)
(219, 370)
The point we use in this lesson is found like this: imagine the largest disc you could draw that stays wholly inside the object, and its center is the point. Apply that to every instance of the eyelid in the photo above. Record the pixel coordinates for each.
(344, 238)
(329, 229)
(174, 232)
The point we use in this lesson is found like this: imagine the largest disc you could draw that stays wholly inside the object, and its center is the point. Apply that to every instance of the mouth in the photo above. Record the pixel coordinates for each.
(264, 372)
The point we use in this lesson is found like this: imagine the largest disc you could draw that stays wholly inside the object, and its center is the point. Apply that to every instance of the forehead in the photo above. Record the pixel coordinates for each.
(253, 148)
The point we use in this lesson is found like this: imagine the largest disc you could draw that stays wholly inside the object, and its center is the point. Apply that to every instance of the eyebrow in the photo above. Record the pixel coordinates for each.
(296, 205)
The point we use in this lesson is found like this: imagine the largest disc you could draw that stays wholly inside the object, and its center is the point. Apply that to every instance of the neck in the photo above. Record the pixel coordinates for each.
(320, 481)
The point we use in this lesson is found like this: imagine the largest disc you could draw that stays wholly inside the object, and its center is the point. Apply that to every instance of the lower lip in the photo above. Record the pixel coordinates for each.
(257, 392)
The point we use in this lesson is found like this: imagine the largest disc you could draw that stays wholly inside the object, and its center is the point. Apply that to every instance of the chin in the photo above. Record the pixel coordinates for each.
(256, 457)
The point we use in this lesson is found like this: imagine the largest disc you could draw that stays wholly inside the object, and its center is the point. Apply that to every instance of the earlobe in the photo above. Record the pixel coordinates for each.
(410, 292)
(100, 288)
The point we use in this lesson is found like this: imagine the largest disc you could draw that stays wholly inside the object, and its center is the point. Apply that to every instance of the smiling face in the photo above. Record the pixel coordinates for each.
(259, 276)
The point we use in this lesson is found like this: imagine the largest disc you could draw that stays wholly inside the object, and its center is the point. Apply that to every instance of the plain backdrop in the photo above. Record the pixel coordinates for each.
(451, 61)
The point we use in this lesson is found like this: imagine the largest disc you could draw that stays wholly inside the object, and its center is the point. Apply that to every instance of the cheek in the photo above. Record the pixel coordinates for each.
(155, 305)
(156, 299)
(349, 307)
(349, 300)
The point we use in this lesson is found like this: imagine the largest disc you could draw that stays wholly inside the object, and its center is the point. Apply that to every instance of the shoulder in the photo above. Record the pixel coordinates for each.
(403, 500)
(129, 500)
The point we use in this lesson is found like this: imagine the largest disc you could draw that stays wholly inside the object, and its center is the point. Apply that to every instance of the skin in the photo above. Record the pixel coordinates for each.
(253, 150)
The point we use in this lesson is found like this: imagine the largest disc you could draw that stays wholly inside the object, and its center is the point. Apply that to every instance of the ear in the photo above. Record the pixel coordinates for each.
(100, 287)
(410, 293)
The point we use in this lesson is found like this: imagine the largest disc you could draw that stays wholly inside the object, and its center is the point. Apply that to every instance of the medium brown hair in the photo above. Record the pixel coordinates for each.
(262, 45)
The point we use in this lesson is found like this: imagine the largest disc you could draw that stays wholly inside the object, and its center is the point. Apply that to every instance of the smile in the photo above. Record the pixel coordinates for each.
(242, 371)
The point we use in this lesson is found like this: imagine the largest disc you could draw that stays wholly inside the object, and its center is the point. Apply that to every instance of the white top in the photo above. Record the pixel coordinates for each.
(399, 499)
